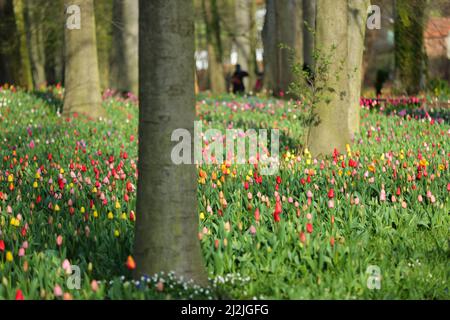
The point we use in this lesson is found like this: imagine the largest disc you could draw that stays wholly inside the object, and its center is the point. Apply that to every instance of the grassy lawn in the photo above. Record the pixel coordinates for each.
(313, 230)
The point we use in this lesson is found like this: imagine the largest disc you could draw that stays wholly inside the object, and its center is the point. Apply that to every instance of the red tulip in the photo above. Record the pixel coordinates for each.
(19, 295)
(257, 216)
(278, 180)
(276, 216)
(331, 194)
(309, 227)
(2, 245)
(278, 207)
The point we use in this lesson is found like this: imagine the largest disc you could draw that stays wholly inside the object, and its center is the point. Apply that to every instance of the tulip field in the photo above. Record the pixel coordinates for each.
(371, 221)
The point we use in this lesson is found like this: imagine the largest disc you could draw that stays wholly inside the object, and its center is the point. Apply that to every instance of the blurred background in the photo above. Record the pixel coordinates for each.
(414, 35)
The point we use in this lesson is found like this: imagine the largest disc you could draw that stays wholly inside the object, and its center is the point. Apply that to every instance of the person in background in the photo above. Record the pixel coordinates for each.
(237, 80)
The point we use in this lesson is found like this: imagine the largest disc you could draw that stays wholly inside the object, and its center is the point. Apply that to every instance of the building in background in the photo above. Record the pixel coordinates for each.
(437, 45)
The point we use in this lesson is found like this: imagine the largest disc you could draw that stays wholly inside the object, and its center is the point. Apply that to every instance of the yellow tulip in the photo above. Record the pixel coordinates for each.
(9, 256)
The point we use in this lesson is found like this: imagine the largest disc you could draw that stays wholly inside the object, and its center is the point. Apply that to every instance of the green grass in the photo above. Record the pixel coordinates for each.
(407, 239)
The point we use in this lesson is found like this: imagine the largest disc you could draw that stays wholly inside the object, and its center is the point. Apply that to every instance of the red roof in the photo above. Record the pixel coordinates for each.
(437, 28)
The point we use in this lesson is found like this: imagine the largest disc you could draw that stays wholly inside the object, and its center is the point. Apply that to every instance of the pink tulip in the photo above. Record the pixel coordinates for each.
(383, 195)
(57, 291)
(94, 285)
(331, 204)
(59, 240)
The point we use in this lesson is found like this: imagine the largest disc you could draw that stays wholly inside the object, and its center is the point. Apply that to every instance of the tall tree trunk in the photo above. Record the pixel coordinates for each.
(54, 41)
(357, 16)
(82, 82)
(35, 40)
(332, 113)
(309, 19)
(410, 57)
(103, 27)
(9, 44)
(254, 68)
(215, 52)
(282, 26)
(167, 221)
(244, 39)
(124, 59)
(269, 36)
(26, 78)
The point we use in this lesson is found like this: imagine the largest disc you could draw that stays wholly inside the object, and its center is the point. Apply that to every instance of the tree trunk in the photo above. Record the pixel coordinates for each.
(26, 78)
(124, 59)
(282, 26)
(269, 36)
(410, 57)
(357, 16)
(103, 27)
(167, 221)
(309, 18)
(35, 40)
(82, 82)
(243, 39)
(215, 53)
(332, 113)
(54, 41)
(9, 44)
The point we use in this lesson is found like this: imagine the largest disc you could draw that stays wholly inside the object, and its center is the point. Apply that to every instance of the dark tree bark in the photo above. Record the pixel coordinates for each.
(282, 26)
(214, 43)
(124, 58)
(309, 19)
(167, 220)
(410, 56)
(34, 18)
